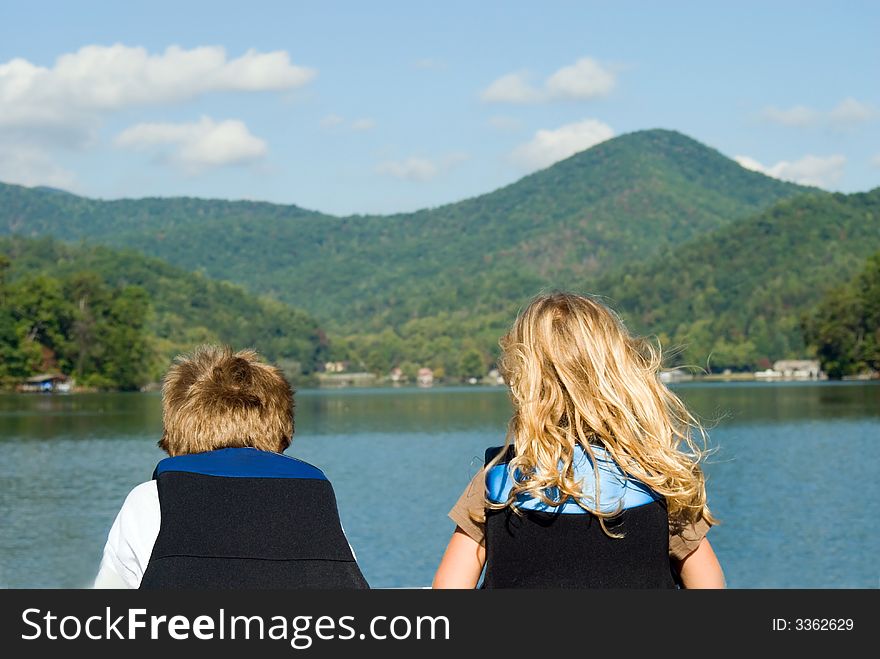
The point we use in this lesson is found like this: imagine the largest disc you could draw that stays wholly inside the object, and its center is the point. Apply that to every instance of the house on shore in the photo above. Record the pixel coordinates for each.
(425, 377)
(46, 383)
(793, 369)
(675, 375)
(346, 379)
(336, 367)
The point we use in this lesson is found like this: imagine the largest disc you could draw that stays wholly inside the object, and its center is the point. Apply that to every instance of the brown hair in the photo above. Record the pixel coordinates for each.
(215, 398)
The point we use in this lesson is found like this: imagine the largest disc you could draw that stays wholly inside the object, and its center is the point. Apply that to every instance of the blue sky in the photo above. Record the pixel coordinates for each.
(352, 107)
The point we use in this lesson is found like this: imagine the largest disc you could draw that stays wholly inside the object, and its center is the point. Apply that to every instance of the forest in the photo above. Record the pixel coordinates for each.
(737, 298)
(115, 319)
(729, 268)
(845, 327)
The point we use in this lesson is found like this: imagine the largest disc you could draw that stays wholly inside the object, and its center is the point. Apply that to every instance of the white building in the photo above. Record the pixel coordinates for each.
(793, 369)
(798, 369)
(426, 377)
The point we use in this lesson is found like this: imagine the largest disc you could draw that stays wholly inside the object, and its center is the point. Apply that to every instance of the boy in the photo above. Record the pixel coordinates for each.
(227, 509)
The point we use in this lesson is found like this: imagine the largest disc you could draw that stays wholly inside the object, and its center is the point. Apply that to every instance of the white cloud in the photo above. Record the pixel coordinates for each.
(420, 169)
(821, 171)
(331, 121)
(512, 88)
(503, 123)
(850, 111)
(811, 170)
(794, 116)
(63, 105)
(363, 124)
(199, 145)
(585, 79)
(876, 160)
(750, 163)
(100, 79)
(27, 165)
(550, 146)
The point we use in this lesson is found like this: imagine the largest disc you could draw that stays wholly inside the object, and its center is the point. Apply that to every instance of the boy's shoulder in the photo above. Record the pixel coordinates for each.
(141, 501)
(142, 493)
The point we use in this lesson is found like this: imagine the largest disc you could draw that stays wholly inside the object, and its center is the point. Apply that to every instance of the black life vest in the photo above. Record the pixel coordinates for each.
(243, 518)
(564, 546)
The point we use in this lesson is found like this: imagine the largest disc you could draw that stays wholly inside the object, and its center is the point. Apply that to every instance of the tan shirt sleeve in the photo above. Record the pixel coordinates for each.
(469, 511)
(683, 541)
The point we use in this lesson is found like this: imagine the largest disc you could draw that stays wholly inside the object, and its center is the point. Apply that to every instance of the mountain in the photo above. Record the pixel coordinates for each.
(738, 297)
(50, 190)
(619, 202)
(185, 308)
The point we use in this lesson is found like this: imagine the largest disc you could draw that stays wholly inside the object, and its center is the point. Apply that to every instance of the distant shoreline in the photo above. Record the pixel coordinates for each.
(462, 386)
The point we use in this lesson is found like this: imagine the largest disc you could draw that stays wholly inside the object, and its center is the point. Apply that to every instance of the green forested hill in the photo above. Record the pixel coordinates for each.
(620, 201)
(52, 292)
(738, 297)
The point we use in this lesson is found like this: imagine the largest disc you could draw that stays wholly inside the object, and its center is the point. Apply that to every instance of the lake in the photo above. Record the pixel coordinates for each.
(794, 478)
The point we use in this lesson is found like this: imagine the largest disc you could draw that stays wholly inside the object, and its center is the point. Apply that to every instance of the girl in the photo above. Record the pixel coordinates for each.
(598, 483)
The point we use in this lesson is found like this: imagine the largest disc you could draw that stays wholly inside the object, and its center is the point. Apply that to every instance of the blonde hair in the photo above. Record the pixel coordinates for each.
(577, 378)
(214, 398)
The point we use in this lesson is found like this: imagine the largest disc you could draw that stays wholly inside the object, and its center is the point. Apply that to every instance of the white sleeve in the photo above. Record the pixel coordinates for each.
(353, 555)
(131, 539)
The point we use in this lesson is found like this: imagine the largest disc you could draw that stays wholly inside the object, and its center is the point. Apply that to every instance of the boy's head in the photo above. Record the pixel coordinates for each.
(215, 398)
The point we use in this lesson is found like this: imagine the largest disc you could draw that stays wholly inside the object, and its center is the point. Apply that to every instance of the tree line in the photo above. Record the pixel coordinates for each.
(845, 327)
(78, 325)
(114, 319)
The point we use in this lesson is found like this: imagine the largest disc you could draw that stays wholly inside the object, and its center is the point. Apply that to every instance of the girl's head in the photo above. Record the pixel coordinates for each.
(578, 379)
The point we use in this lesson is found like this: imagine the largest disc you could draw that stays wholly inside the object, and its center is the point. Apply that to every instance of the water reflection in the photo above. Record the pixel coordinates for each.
(793, 478)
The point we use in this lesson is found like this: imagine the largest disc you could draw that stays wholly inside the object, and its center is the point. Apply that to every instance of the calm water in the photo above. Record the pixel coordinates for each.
(794, 478)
